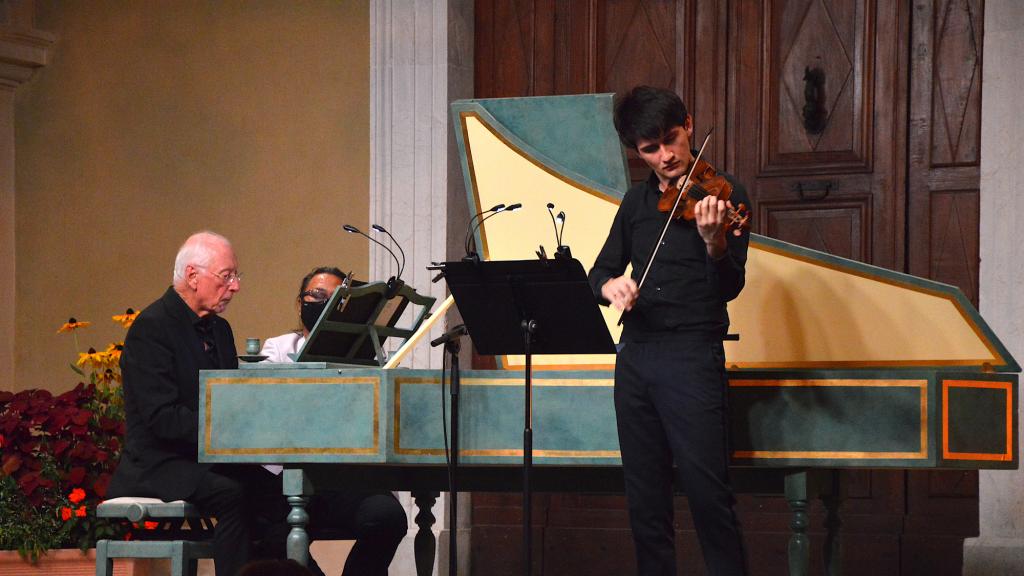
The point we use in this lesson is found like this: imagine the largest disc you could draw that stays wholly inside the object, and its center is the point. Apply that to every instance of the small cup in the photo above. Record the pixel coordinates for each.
(252, 346)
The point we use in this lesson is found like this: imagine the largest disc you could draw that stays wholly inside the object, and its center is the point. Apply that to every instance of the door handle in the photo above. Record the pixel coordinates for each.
(814, 189)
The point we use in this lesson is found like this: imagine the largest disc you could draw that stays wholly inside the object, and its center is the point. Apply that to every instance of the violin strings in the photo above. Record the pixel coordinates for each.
(698, 194)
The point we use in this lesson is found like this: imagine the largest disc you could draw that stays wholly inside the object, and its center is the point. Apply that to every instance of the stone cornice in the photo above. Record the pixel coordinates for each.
(21, 52)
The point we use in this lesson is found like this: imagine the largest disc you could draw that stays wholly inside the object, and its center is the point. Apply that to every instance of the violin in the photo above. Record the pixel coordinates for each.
(700, 182)
(704, 181)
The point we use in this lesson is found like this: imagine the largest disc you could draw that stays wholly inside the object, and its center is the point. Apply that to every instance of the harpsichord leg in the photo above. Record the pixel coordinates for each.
(799, 544)
(425, 544)
(297, 490)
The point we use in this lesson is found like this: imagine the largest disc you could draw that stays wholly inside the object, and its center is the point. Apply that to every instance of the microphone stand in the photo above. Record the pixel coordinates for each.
(452, 346)
(529, 328)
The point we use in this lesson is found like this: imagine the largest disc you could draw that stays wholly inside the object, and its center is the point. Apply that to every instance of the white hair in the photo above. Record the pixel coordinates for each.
(198, 250)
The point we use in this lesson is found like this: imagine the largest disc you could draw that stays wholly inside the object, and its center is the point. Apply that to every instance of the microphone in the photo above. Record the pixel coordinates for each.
(562, 251)
(395, 282)
(469, 227)
(450, 335)
(380, 228)
(497, 209)
(551, 212)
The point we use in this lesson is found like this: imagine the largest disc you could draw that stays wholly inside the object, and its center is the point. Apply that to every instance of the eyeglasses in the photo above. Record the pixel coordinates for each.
(315, 295)
(225, 277)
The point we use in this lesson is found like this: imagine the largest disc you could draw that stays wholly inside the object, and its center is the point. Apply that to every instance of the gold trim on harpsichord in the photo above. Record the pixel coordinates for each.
(921, 385)
(537, 383)
(512, 452)
(472, 170)
(840, 364)
(1006, 387)
(995, 357)
(211, 382)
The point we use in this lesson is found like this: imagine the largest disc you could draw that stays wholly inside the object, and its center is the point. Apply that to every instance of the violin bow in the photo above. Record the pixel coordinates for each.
(664, 229)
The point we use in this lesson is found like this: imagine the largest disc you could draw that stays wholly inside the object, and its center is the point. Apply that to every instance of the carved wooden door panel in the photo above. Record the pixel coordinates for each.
(817, 96)
(945, 142)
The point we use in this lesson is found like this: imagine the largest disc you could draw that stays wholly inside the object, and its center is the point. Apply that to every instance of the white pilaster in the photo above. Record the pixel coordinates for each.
(23, 49)
(419, 50)
(999, 549)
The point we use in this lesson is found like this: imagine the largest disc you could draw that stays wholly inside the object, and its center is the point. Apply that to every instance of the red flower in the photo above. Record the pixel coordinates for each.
(80, 512)
(60, 446)
(127, 535)
(76, 496)
(76, 475)
(10, 464)
(149, 525)
(65, 513)
(101, 483)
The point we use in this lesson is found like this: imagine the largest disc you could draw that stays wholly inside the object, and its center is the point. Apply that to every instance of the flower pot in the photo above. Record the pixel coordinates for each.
(65, 563)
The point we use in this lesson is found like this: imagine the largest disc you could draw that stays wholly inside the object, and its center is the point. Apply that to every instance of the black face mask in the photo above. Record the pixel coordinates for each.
(311, 312)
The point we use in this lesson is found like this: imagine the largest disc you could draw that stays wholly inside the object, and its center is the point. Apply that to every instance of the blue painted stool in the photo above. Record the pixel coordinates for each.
(183, 553)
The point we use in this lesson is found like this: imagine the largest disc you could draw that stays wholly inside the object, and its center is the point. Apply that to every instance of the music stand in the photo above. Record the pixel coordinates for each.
(356, 322)
(528, 307)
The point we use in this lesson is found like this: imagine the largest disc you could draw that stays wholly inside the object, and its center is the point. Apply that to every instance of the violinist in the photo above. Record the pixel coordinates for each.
(670, 378)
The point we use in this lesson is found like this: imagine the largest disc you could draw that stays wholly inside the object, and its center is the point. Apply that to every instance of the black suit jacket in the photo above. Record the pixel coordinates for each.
(160, 366)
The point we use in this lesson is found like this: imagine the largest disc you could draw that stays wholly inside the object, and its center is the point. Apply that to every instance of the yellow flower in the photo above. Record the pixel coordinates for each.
(127, 318)
(95, 360)
(108, 377)
(113, 352)
(72, 324)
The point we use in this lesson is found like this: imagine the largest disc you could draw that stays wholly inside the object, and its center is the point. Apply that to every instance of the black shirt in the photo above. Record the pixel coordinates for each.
(686, 291)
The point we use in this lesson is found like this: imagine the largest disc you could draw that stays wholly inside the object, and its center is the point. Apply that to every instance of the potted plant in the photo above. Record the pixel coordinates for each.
(57, 454)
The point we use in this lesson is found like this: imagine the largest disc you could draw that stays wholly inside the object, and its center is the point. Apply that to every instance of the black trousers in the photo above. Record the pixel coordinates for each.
(670, 405)
(251, 513)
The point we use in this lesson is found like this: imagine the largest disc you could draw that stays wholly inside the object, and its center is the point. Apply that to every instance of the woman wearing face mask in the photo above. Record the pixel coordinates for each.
(316, 289)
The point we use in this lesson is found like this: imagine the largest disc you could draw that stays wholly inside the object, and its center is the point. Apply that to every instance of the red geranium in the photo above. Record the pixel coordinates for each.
(57, 453)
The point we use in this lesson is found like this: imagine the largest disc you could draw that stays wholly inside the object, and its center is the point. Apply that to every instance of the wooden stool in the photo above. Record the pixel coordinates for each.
(183, 553)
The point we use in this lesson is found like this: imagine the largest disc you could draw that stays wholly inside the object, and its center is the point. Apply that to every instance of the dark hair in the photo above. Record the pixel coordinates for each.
(646, 113)
(321, 270)
(274, 567)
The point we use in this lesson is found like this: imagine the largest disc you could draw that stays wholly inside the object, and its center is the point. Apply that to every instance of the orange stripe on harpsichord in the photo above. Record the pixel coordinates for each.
(1004, 386)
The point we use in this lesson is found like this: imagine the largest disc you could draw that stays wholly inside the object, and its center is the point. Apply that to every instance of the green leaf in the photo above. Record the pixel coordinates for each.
(76, 369)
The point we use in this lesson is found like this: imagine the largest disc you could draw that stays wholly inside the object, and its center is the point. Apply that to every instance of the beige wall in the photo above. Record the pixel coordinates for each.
(155, 119)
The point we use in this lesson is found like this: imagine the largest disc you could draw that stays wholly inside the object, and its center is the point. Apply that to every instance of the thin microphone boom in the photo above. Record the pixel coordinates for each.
(558, 239)
(496, 208)
(510, 208)
(380, 228)
(353, 230)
